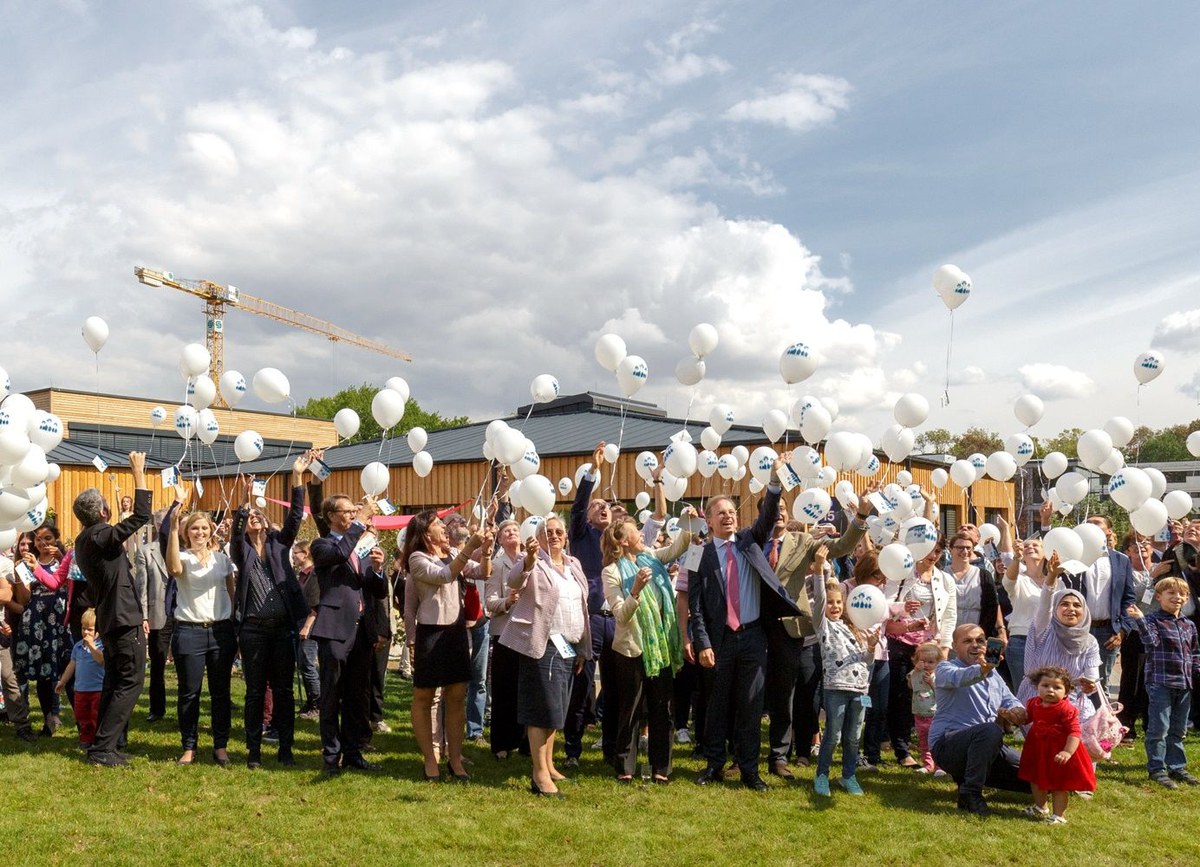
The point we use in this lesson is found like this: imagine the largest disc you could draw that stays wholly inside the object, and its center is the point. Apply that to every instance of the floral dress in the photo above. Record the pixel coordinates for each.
(43, 646)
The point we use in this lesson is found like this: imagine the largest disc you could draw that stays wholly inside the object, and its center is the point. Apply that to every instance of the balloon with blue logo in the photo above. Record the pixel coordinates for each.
(1020, 446)
(544, 388)
(207, 427)
(645, 464)
(528, 464)
(870, 466)
(45, 430)
(201, 391)
(720, 418)
(233, 387)
(812, 505)
(248, 446)
(186, 421)
(866, 606)
(952, 285)
(1148, 366)
(761, 463)
(157, 416)
(896, 561)
(681, 459)
(816, 424)
(774, 424)
(632, 374)
(706, 463)
(5, 384)
(919, 536)
(797, 363)
(530, 526)
(33, 518)
(801, 407)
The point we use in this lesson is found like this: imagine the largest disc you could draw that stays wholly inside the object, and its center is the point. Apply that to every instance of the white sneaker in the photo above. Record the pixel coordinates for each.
(939, 773)
(682, 736)
(922, 770)
(382, 727)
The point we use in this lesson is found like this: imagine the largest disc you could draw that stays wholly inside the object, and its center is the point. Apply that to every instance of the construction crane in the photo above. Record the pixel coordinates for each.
(216, 297)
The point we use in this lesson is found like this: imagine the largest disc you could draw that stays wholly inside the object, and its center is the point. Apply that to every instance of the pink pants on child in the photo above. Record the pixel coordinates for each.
(923, 723)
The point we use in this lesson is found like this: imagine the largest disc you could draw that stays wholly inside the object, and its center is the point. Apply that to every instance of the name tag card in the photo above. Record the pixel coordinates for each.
(691, 560)
(320, 469)
(170, 477)
(385, 507)
(366, 542)
(99, 463)
(258, 487)
(564, 648)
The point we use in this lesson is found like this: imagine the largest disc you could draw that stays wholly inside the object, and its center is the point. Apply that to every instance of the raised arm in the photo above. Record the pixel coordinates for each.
(583, 495)
(110, 537)
(54, 580)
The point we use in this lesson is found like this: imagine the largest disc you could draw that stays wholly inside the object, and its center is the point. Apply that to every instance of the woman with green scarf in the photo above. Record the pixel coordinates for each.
(648, 649)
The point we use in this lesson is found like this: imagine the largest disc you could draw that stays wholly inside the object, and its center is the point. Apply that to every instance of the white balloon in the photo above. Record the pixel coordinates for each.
(509, 445)
(756, 486)
(261, 502)
(911, 410)
(681, 459)
(689, 371)
(417, 438)
(831, 407)
(904, 478)
(1129, 488)
(248, 446)
(611, 453)
(797, 363)
(1193, 443)
(14, 502)
(1158, 482)
(1020, 446)
(806, 462)
(422, 463)
(46, 430)
(8, 538)
(774, 424)
(870, 466)
(1001, 466)
(399, 385)
(271, 385)
(645, 464)
(826, 477)
(528, 464)
(843, 451)
(919, 536)
(801, 407)
(544, 388)
(674, 489)
(1094, 447)
(866, 606)
(1150, 518)
(530, 527)
(706, 463)
(1094, 543)
(201, 392)
(207, 427)
(194, 360)
(897, 442)
(1113, 462)
(816, 424)
(896, 562)
(1148, 366)
(233, 387)
(1063, 541)
(880, 536)
(157, 416)
(710, 439)
(962, 473)
(720, 418)
(387, 406)
(1178, 503)
(1054, 465)
(610, 351)
(32, 468)
(703, 340)
(186, 421)
(1072, 488)
(844, 491)
(5, 388)
(14, 444)
(1028, 409)
(346, 422)
(564, 486)
(989, 533)
(32, 519)
(514, 493)
(979, 462)
(642, 500)
(374, 478)
(53, 471)
(762, 462)
(18, 410)
(632, 374)
(95, 333)
(538, 494)
(727, 466)
(811, 505)
(493, 429)
(1120, 429)
(939, 477)
(952, 284)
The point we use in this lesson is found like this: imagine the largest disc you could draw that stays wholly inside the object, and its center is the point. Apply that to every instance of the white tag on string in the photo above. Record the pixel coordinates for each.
(199, 487)
(366, 542)
(385, 507)
(788, 477)
(564, 648)
(691, 560)
(99, 463)
(1148, 597)
(320, 469)
(258, 487)
(170, 477)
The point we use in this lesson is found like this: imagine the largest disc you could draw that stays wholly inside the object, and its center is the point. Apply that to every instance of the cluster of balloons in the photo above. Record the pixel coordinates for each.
(630, 370)
(529, 490)
(27, 435)
(702, 341)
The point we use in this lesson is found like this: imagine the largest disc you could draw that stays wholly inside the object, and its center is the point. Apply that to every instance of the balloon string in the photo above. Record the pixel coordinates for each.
(479, 497)
(292, 442)
(949, 348)
(612, 479)
(527, 415)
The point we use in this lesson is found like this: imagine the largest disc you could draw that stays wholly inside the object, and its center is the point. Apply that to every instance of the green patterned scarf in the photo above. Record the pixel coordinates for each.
(661, 644)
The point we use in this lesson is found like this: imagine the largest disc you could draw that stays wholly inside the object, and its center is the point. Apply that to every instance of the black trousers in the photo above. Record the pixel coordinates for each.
(976, 757)
(640, 693)
(124, 674)
(784, 655)
(899, 713)
(736, 699)
(603, 629)
(507, 734)
(1132, 696)
(158, 648)
(345, 681)
(378, 677)
(268, 657)
(199, 650)
(686, 682)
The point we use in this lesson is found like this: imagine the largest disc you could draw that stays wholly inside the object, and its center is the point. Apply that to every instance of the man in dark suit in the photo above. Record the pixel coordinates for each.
(343, 634)
(120, 620)
(730, 598)
(152, 579)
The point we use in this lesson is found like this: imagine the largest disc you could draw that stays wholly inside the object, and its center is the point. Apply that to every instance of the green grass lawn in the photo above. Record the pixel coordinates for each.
(60, 811)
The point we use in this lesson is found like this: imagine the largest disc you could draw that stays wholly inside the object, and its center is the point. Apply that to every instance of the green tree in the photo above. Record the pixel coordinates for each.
(937, 441)
(1064, 442)
(977, 439)
(358, 398)
(1163, 445)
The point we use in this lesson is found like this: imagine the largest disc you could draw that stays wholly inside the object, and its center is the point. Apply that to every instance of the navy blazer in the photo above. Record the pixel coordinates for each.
(341, 604)
(706, 586)
(585, 544)
(1120, 591)
(277, 556)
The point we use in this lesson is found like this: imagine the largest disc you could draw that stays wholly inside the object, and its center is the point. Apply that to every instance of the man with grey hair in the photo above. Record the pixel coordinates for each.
(120, 617)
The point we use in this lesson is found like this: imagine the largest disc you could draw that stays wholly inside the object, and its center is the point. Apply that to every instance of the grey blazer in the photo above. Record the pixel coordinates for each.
(150, 576)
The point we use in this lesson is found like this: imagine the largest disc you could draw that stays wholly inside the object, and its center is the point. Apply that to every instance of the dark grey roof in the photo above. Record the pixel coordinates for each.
(73, 454)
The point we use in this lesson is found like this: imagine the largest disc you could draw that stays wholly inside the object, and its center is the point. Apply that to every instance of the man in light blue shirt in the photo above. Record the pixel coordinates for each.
(967, 737)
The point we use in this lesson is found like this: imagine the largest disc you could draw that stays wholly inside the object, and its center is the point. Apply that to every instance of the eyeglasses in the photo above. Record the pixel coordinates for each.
(961, 548)
(555, 531)
(345, 511)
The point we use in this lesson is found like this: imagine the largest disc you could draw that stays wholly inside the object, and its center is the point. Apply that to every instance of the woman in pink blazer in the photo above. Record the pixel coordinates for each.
(548, 627)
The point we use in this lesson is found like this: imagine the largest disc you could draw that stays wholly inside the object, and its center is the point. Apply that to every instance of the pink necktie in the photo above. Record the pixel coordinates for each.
(733, 602)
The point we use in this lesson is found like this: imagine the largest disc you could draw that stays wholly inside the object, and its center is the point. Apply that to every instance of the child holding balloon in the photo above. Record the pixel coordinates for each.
(847, 653)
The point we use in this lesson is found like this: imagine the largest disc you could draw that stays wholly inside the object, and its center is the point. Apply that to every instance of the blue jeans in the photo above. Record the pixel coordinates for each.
(1014, 657)
(876, 717)
(306, 658)
(1166, 725)
(843, 713)
(1108, 658)
(477, 688)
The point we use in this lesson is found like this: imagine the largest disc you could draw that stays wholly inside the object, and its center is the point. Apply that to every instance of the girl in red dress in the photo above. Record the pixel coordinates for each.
(1051, 760)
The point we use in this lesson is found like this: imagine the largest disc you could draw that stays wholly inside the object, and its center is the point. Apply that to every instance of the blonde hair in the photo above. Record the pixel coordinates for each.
(929, 648)
(1172, 583)
(186, 524)
(610, 546)
(88, 619)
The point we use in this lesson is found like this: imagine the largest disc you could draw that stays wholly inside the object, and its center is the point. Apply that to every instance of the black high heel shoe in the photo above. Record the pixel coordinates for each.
(458, 778)
(223, 762)
(534, 790)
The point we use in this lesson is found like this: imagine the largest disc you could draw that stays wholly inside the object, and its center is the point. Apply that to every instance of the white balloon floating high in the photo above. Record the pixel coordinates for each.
(816, 424)
(710, 439)
(610, 351)
(702, 340)
(1130, 488)
(538, 494)
(774, 424)
(611, 452)
(720, 418)
(186, 421)
(399, 385)
(422, 463)
(952, 285)
(1028, 409)
(1120, 429)
(1094, 447)
(1158, 482)
(271, 385)
(346, 422)
(1148, 366)
(911, 410)
(374, 479)
(1054, 465)
(194, 359)
(201, 391)
(632, 374)
(1193, 443)
(962, 473)
(681, 459)
(1020, 446)
(248, 446)
(208, 428)
(95, 333)
(1178, 503)
(233, 387)
(1001, 466)
(797, 363)
(1071, 488)
(45, 430)
(690, 370)
(157, 416)
(387, 406)
(939, 477)
(564, 486)
(544, 388)
(417, 438)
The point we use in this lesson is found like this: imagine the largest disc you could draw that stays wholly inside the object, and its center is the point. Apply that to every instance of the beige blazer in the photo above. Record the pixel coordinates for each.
(528, 627)
(795, 561)
(627, 637)
(436, 598)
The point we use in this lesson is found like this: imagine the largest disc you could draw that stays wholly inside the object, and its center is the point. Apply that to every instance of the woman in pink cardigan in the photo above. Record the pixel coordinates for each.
(43, 647)
(548, 626)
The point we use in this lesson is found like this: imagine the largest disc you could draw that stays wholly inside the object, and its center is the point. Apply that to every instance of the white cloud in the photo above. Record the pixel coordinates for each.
(804, 102)
(1053, 381)
(969, 375)
(1179, 331)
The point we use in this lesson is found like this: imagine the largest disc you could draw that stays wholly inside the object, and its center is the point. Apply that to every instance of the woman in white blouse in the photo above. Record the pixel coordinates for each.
(204, 638)
(548, 626)
(507, 734)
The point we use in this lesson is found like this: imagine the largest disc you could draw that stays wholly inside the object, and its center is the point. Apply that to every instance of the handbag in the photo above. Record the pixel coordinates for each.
(1102, 731)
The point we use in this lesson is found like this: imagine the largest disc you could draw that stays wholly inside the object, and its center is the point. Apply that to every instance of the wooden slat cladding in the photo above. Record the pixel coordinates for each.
(132, 412)
(114, 484)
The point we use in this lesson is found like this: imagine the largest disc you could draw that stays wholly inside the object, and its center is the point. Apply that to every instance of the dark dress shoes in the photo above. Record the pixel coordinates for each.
(974, 804)
(709, 775)
(107, 760)
(781, 770)
(754, 783)
(358, 763)
(331, 769)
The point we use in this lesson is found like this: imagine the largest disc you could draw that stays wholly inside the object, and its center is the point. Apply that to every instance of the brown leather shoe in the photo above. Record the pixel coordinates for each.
(780, 769)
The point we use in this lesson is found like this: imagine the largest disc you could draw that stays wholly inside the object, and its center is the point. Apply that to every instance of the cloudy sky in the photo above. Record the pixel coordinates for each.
(491, 191)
